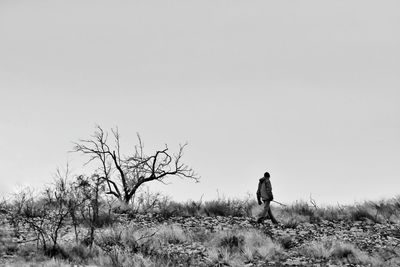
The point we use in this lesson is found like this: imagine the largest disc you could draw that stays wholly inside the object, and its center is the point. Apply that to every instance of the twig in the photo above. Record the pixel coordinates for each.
(279, 203)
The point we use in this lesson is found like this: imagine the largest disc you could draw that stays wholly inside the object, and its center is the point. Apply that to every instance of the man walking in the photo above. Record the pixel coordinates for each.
(264, 193)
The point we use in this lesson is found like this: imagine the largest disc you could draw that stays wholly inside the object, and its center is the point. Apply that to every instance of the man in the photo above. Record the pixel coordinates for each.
(264, 193)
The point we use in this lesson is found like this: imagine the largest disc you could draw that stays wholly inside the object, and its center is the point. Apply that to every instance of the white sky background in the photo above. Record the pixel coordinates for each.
(308, 90)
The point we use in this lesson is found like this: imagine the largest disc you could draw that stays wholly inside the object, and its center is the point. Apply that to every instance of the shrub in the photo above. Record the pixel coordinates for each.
(362, 213)
(170, 210)
(286, 242)
(245, 244)
(340, 252)
(190, 208)
(300, 212)
(228, 207)
(147, 241)
(261, 245)
(217, 208)
(172, 234)
(331, 213)
(223, 257)
(232, 242)
(386, 210)
(302, 208)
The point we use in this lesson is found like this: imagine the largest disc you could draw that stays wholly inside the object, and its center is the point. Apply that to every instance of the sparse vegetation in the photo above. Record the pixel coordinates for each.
(109, 219)
(342, 252)
(47, 222)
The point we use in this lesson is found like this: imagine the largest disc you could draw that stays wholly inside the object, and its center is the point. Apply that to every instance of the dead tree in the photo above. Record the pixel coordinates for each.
(123, 175)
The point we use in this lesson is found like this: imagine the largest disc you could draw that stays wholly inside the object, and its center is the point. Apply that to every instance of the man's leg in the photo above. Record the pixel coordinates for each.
(264, 211)
(271, 216)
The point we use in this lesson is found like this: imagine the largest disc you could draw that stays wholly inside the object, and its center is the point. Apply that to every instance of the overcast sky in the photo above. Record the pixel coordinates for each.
(307, 90)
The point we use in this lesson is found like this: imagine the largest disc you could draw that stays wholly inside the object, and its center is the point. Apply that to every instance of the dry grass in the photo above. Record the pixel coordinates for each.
(235, 248)
(47, 263)
(133, 246)
(379, 212)
(130, 245)
(172, 234)
(342, 252)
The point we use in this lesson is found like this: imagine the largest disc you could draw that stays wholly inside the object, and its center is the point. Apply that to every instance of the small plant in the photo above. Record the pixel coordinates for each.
(232, 242)
(220, 257)
(341, 251)
(286, 242)
(362, 213)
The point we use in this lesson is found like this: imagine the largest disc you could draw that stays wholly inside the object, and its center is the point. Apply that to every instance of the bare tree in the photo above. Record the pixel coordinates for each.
(123, 175)
(46, 215)
(89, 190)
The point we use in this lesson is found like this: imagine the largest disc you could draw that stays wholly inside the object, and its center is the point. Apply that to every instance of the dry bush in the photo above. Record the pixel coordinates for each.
(301, 211)
(363, 212)
(229, 207)
(6, 246)
(258, 243)
(144, 240)
(172, 234)
(44, 215)
(331, 214)
(190, 208)
(286, 241)
(381, 211)
(237, 247)
(340, 252)
(123, 244)
(147, 202)
(376, 211)
(224, 257)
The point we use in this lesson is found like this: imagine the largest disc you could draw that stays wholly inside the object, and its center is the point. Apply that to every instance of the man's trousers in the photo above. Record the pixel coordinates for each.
(267, 210)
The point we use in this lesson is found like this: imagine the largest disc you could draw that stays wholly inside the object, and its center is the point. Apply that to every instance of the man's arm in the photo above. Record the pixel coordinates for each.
(259, 194)
(269, 190)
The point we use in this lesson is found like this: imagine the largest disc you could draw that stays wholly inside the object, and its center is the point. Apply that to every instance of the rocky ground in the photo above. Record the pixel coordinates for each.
(369, 237)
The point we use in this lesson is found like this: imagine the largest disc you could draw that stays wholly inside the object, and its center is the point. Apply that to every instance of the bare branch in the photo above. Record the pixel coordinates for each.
(132, 171)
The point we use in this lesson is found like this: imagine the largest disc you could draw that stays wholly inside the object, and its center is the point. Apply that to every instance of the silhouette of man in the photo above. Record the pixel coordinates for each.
(264, 193)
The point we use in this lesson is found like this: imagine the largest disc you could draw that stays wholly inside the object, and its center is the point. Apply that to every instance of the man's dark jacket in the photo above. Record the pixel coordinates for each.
(264, 190)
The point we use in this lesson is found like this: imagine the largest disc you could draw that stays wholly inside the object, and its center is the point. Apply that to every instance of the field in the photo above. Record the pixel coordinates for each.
(223, 232)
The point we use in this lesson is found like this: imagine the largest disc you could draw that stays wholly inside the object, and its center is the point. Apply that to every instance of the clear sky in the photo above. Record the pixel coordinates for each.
(308, 90)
